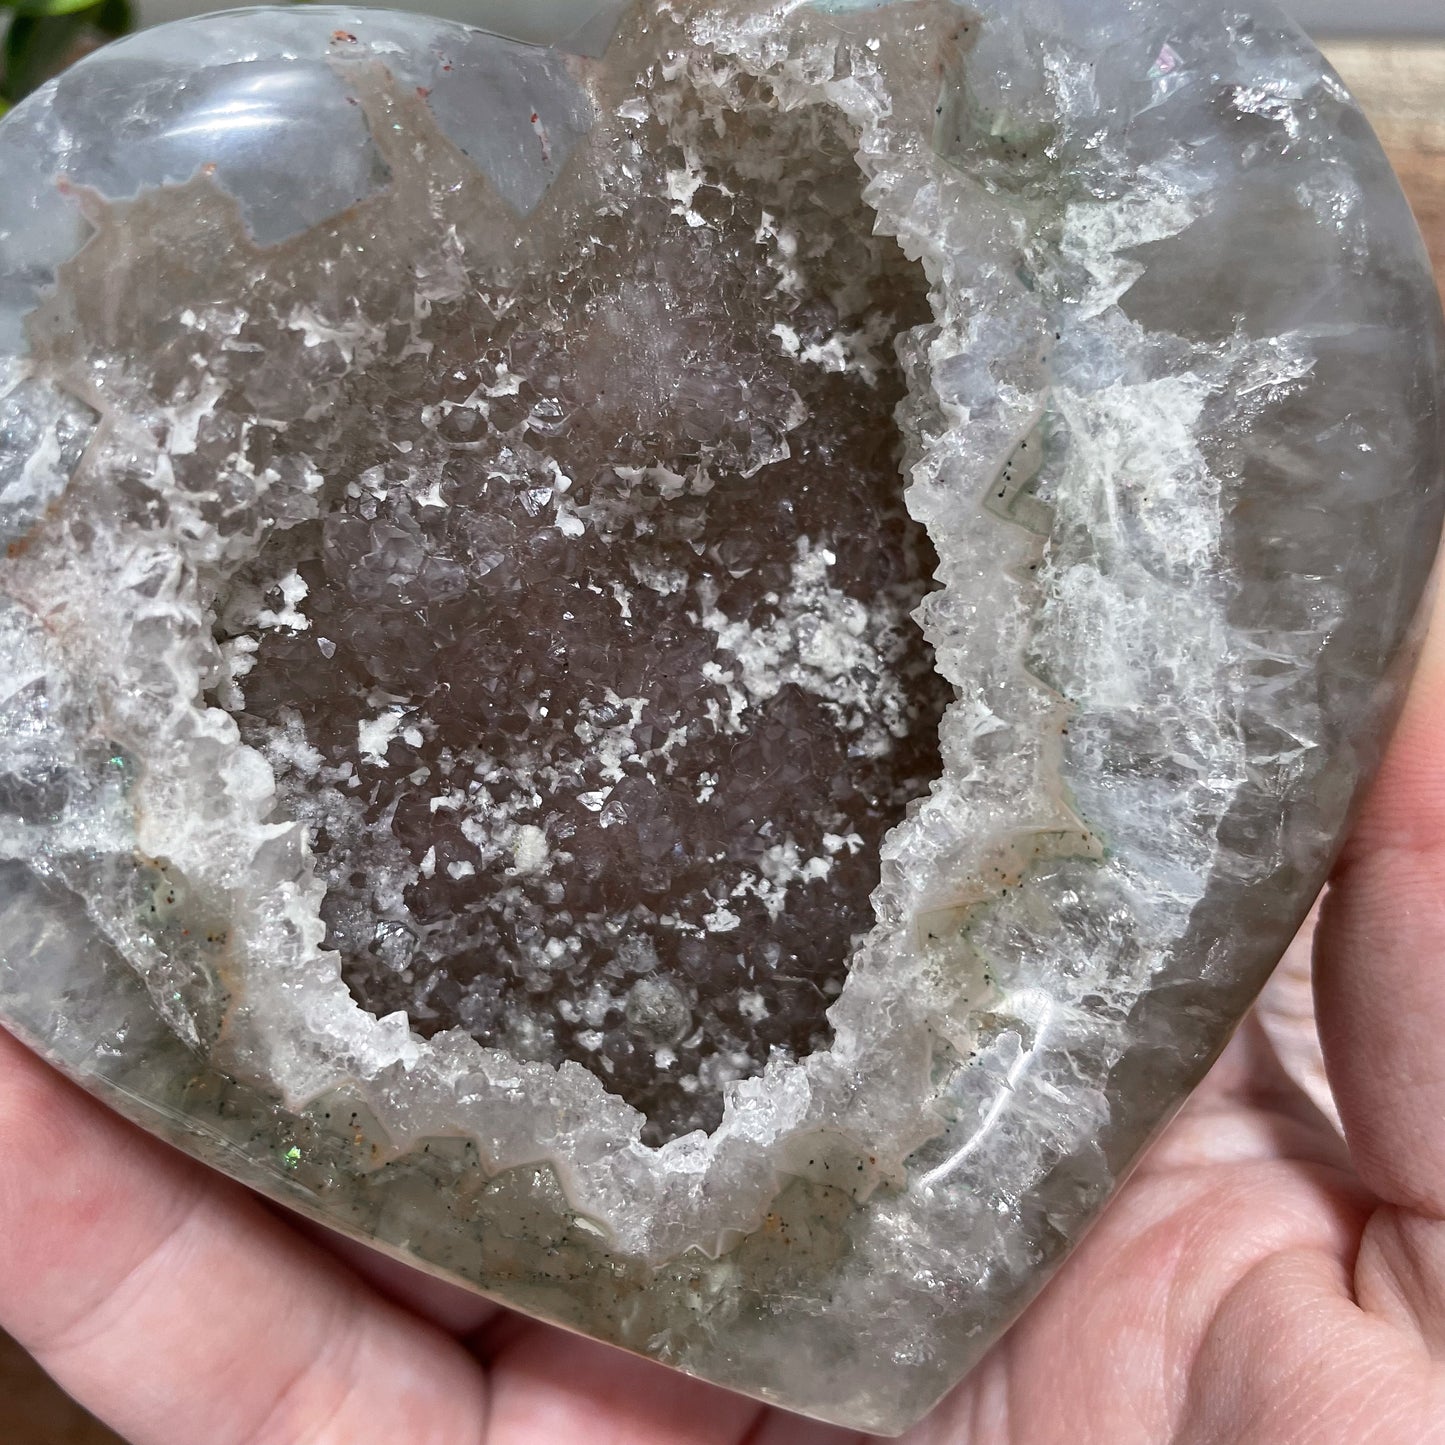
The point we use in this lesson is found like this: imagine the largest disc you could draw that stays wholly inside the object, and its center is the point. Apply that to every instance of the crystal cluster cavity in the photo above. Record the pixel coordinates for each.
(690, 675)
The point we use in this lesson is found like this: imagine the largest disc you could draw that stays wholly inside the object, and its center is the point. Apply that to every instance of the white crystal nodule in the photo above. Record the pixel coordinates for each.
(690, 676)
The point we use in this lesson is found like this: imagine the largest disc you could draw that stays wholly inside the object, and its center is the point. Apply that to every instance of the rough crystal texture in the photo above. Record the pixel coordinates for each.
(692, 683)
(593, 677)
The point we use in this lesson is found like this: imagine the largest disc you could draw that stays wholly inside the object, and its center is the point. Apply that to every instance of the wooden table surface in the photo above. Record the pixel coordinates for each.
(1402, 86)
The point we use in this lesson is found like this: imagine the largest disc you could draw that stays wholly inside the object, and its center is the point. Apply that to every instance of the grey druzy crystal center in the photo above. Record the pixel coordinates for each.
(594, 675)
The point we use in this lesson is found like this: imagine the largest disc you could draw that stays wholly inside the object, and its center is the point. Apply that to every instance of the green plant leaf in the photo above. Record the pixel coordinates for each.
(38, 47)
(50, 7)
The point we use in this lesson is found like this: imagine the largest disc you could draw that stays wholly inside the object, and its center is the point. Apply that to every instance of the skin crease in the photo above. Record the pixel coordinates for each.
(1257, 1280)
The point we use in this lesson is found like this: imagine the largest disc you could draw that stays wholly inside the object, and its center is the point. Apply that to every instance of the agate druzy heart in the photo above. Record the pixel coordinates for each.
(690, 677)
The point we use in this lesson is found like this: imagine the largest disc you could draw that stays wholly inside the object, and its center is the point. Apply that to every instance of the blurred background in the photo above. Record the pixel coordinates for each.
(1349, 17)
(41, 36)
(1392, 55)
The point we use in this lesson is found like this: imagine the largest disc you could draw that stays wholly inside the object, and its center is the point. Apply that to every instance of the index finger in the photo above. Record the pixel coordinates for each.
(176, 1308)
(1380, 958)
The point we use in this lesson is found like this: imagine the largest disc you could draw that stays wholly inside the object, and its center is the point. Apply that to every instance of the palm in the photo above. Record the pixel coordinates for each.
(1255, 1281)
(1217, 1286)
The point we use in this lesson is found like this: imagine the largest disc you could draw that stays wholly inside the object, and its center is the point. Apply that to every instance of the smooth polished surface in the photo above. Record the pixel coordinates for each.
(1181, 672)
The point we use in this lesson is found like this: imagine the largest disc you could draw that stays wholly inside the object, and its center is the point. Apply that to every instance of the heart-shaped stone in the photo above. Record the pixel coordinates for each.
(690, 678)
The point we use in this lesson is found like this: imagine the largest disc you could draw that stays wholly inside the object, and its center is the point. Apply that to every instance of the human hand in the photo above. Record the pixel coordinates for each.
(1258, 1280)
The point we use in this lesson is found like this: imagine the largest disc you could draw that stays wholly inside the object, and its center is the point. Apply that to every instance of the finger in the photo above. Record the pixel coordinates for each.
(1380, 988)
(1286, 1012)
(1380, 959)
(178, 1309)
